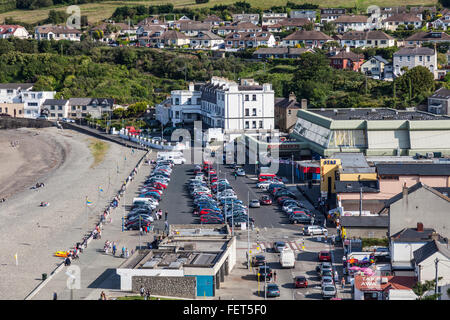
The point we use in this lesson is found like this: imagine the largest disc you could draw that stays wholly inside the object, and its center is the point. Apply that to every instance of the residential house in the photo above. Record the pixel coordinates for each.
(170, 38)
(16, 31)
(269, 18)
(246, 17)
(286, 112)
(441, 23)
(279, 52)
(439, 102)
(331, 14)
(407, 19)
(417, 39)
(308, 14)
(384, 287)
(177, 23)
(11, 92)
(249, 40)
(310, 39)
(238, 27)
(346, 23)
(55, 108)
(111, 31)
(152, 21)
(192, 28)
(377, 67)
(419, 203)
(213, 20)
(207, 40)
(412, 57)
(433, 259)
(145, 31)
(293, 23)
(420, 11)
(33, 101)
(95, 107)
(367, 39)
(49, 32)
(347, 60)
(387, 12)
(12, 109)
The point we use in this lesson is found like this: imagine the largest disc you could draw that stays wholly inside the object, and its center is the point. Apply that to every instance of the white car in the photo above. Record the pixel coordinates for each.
(240, 172)
(312, 230)
(327, 280)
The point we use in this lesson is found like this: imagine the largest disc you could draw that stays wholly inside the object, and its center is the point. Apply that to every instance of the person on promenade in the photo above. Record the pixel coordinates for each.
(165, 216)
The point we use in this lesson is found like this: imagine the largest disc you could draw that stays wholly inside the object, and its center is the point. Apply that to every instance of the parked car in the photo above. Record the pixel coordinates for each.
(272, 290)
(328, 291)
(254, 203)
(300, 282)
(258, 260)
(324, 256)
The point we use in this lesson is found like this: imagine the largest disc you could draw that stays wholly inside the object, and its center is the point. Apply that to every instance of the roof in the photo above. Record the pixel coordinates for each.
(354, 186)
(351, 19)
(353, 162)
(400, 17)
(427, 250)
(173, 34)
(207, 35)
(48, 102)
(56, 29)
(428, 36)
(412, 235)
(379, 58)
(212, 18)
(366, 35)
(287, 103)
(281, 50)
(79, 101)
(376, 283)
(375, 114)
(381, 221)
(5, 28)
(249, 35)
(16, 86)
(293, 22)
(308, 35)
(192, 25)
(422, 169)
(343, 54)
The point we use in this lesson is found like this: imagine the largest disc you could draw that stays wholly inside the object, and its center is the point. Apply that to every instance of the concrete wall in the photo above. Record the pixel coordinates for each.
(366, 232)
(421, 206)
(13, 123)
(184, 287)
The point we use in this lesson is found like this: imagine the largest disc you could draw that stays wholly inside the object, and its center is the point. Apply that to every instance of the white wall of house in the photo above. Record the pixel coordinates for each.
(404, 251)
(426, 269)
(427, 61)
(33, 102)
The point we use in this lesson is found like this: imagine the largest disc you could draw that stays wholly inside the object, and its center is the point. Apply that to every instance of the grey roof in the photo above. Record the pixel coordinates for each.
(412, 235)
(207, 35)
(427, 250)
(381, 59)
(421, 169)
(400, 17)
(353, 162)
(375, 114)
(48, 102)
(79, 101)
(415, 51)
(428, 36)
(16, 85)
(354, 186)
(308, 35)
(365, 221)
(442, 93)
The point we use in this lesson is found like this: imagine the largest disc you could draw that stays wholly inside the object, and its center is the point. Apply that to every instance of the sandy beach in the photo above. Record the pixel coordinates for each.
(62, 160)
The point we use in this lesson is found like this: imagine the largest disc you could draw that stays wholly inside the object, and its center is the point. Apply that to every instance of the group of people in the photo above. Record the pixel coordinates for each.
(145, 293)
(14, 143)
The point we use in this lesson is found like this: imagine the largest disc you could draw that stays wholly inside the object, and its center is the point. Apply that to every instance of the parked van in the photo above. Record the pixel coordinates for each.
(287, 259)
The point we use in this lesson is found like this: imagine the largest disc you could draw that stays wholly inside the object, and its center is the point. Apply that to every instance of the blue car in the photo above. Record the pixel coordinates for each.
(272, 290)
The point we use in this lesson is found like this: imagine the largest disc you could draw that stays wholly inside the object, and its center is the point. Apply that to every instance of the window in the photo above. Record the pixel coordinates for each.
(428, 58)
(83, 108)
(247, 112)
(289, 111)
(400, 58)
(420, 58)
(189, 101)
(59, 107)
(254, 124)
(246, 97)
(260, 124)
(177, 114)
(409, 58)
(254, 112)
(254, 97)
(177, 101)
(247, 125)
(60, 115)
(52, 108)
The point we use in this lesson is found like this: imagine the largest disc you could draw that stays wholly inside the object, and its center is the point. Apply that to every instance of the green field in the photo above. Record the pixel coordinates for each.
(99, 11)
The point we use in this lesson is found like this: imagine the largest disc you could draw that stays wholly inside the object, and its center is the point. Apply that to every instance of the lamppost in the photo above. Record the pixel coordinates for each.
(248, 230)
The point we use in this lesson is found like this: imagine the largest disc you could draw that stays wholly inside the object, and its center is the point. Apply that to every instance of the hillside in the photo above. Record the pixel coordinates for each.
(102, 10)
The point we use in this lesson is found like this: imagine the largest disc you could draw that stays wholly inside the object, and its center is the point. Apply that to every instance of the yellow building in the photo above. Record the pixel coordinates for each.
(344, 167)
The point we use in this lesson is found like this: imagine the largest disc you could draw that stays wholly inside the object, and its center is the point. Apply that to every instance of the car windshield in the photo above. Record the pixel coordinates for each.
(328, 288)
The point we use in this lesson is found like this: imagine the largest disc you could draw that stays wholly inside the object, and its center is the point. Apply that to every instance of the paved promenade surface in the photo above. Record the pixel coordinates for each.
(34, 233)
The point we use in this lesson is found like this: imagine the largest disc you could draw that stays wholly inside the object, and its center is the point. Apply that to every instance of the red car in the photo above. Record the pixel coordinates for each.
(281, 199)
(266, 200)
(325, 256)
(300, 282)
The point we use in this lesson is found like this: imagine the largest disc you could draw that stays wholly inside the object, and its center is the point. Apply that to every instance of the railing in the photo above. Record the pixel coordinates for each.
(151, 142)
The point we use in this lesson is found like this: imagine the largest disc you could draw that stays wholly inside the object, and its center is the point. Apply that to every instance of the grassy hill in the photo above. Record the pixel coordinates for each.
(99, 11)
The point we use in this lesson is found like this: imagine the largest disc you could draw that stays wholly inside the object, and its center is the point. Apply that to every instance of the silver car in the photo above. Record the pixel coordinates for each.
(255, 203)
(328, 291)
(240, 172)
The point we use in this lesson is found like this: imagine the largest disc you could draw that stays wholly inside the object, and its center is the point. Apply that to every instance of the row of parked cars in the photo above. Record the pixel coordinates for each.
(150, 194)
(215, 200)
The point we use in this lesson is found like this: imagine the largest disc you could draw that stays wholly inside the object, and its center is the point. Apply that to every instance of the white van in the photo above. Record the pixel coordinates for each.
(287, 259)
(148, 200)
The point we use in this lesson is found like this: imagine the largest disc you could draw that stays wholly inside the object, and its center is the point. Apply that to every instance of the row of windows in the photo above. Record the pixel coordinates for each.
(247, 97)
(247, 124)
(176, 101)
(247, 112)
(362, 41)
(400, 58)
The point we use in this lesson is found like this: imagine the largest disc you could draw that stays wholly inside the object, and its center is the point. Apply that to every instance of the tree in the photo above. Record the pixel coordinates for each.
(416, 83)
(329, 28)
(309, 26)
(420, 289)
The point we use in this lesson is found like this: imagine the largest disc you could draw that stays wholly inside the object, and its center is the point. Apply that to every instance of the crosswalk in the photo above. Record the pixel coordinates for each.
(264, 246)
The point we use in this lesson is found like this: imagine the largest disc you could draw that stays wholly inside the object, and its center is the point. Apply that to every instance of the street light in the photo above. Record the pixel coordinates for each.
(248, 230)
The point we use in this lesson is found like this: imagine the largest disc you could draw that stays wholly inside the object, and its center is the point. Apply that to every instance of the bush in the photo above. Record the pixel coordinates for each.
(368, 242)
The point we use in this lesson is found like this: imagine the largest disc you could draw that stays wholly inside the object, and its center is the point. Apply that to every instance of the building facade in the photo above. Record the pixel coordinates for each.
(408, 58)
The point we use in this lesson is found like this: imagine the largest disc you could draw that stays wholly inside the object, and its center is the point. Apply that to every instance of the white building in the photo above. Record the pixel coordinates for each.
(16, 31)
(308, 14)
(221, 103)
(49, 32)
(207, 40)
(270, 18)
(346, 23)
(56, 108)
(413, 57)
(377, 67)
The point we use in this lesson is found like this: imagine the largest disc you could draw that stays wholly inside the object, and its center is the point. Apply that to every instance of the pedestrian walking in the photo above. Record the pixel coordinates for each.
(55, 296)
(123, 252)
(274, 276)
(343, 282)
(114, 249)
(103, 296)
(142, 291)
(147, 294)
(235, 176)
(165, 216)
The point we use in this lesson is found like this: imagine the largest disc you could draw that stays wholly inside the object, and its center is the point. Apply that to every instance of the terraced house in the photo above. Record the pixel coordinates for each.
(346, 23)
(406, 19)
(52, 32)
(249, 40)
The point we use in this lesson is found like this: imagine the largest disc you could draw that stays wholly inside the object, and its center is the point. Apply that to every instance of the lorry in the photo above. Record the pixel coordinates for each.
(287, 259)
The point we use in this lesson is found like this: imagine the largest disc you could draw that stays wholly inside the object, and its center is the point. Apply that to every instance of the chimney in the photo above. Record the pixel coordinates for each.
(292, 97)
(304, 104)
(419, 227)
(405, 190)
